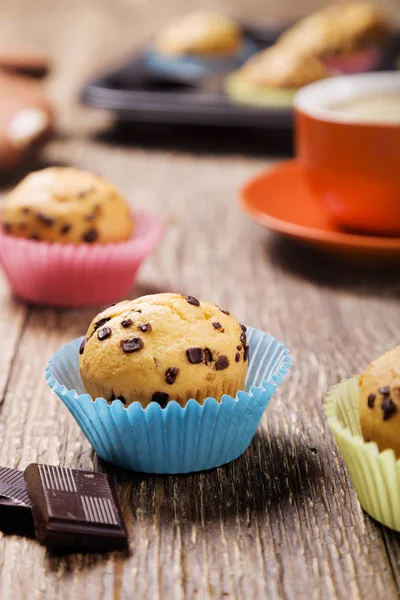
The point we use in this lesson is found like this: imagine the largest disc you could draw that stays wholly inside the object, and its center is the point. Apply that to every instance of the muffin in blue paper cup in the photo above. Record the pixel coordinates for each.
(168, 384)
(199, 43)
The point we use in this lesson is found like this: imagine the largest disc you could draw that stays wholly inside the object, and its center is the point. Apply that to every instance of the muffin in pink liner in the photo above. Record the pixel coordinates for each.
(76, 276)
(69, 239)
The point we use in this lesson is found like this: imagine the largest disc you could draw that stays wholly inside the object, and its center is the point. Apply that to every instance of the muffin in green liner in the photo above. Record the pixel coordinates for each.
(375, 475)
(243, 92)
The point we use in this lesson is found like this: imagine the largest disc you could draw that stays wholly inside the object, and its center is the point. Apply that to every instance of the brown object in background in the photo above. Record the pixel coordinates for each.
(26, 119)
(24, 62)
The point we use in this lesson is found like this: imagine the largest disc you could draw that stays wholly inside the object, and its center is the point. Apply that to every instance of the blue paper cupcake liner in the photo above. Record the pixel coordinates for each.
(192, 66)
(173, 439)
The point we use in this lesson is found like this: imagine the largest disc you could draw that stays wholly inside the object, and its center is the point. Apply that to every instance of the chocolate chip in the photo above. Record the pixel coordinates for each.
(371, 400)
(384, 390)
(126, 323)
(100, 323)
(82, 346)
(207, 356)
(104, 333)
(192, 300)
(237, 356)
(161, 398)
(65, 229)
(90, 236)
(243, 338)
(48, 221)
(243, 328)
(226, 312)
(246, 353)
(91, 217)
(217, 325)
(195, 355)
(34, 236)
(145, 327)
(238, 348)
(389, 408)
(131, 345)
(222, 363)
(171, 375)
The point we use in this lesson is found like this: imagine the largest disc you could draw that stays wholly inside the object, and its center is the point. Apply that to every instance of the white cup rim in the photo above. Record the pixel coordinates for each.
(313, 99)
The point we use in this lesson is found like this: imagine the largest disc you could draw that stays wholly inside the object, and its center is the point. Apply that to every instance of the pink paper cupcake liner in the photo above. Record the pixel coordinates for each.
(72, 276)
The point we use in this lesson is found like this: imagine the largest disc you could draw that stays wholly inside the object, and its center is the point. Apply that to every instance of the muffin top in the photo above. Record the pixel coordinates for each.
(278, 67)
(164, 347)
(199, 33)
(380, 401)
(67, 205)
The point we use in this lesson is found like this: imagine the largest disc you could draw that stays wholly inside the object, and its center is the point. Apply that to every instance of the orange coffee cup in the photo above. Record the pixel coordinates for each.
(352, 162)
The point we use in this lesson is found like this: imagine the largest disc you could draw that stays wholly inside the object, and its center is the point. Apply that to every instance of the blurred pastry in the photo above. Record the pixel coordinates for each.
(199, 33)
(69, 206)
(164, 347)
(380, 402)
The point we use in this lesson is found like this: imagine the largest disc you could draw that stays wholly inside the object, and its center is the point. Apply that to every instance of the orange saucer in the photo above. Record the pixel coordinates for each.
(281, 200)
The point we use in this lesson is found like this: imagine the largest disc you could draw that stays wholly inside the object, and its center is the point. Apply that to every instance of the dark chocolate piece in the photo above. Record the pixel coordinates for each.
(101, 323)
(15, 504)
(90, 236)
(48, 221)
(171, 375)
(65, 229)
(161, 398)
(384, 390)
(131, 345)
(222, 363)
(126, 323)
(217, 325)
(146, 327)
(246, 353)
(243, 338)
(104, 333)
(195, 355)
(192, 300)
(82, 346)
(371, 400)
(208, 357)
(226, 312)
(243, 327)
(237, 357)
(389, 408)
(75, 509)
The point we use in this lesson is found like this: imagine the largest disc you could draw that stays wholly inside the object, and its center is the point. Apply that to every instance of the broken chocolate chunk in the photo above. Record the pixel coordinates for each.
(384, 390)
(222, 363)
(192, 300)
(195, 355)
(246, 353)
(82, 346)
(243, 338)
(145, 327)
(161, 398)
(101, 323)
(389, 408)
(243, 327)
(104, 333)
(48, 221)
(171, 375)
(371, 400)
(126, 323)
(131, 345)
(226, 312)
(237, 357)
(207, 356)
(90, 236)
(217, 325)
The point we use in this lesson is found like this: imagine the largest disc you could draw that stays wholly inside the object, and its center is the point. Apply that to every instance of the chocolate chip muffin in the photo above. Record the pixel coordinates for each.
(164, 347)
(67, 205)
(202, 34)
(380, 402)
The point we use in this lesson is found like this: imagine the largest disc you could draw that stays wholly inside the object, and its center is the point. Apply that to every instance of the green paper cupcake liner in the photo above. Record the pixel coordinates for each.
(242, 92)
(375, 475)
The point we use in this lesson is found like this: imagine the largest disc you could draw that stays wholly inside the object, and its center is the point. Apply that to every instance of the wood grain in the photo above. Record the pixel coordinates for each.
(283, 520)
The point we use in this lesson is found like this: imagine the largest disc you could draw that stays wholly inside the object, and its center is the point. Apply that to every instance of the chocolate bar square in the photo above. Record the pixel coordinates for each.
(15, 504)
(75, 509)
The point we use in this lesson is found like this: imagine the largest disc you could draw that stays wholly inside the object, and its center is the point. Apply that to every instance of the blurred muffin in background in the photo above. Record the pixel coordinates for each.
(341, 38)
(69, 206)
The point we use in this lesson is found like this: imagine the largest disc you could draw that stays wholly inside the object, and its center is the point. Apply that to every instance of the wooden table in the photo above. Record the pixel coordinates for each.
(283, 520)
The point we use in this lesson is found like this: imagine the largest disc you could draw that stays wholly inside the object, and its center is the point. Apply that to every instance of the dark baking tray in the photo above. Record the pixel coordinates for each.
(136, 94)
